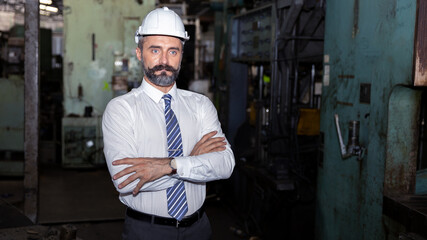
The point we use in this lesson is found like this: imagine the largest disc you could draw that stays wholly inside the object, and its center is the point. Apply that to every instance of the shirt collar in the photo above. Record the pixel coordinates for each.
(154, 93)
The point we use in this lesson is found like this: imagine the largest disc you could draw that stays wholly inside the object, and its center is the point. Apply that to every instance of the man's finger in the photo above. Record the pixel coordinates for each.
(213, 141)
(138, 187)
(124, 161)
(214, 145)
(208, 136)
(123, 172)
(217, 139)
(128, 180)
(218, 149)
(197, 145)
(203, 145)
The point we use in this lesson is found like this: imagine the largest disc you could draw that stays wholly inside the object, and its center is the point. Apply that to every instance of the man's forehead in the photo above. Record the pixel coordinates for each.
(162, 40)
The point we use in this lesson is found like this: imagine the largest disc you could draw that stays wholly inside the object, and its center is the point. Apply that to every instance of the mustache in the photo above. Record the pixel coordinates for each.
(163, 67)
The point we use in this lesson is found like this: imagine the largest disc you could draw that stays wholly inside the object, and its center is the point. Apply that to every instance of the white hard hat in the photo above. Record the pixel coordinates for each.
(162, 21)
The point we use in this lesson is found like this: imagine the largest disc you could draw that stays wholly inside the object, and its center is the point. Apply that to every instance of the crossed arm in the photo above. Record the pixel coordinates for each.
(150, 169)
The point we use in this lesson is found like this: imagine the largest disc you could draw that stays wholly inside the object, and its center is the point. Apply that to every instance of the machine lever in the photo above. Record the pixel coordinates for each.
(353, 147)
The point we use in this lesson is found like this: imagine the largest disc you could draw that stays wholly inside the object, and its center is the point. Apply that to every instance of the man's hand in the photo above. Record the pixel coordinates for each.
(144, 169)
(209, 144)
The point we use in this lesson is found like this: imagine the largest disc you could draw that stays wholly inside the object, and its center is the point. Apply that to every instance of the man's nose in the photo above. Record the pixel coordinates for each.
(164, 58)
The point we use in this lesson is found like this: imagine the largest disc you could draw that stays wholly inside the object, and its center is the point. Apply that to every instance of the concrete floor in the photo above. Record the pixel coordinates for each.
(87, 200)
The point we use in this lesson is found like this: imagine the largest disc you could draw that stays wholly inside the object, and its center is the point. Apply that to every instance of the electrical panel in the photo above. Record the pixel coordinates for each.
(82, 142)
(253, 35)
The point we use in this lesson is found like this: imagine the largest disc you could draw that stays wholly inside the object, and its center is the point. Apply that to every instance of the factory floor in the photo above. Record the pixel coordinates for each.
(86, 200)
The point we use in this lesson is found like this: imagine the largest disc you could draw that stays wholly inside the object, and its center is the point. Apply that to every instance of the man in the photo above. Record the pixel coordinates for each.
(163, 144)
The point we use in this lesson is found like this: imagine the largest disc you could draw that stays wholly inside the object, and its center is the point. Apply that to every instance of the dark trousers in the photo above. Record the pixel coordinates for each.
(139, 230)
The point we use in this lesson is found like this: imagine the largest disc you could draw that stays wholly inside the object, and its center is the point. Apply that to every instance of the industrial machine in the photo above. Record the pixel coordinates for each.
(82, 142)
(12, 104)
(12, 126)
(273, 78)
(371, 174)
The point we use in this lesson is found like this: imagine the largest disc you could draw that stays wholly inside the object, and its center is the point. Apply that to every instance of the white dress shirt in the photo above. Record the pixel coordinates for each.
(134, 126)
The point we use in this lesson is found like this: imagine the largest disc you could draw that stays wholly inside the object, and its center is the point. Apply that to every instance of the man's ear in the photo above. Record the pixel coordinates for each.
(138, 53)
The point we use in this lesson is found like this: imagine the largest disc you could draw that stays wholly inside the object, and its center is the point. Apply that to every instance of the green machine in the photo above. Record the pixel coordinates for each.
(372, 121)
(12, 95)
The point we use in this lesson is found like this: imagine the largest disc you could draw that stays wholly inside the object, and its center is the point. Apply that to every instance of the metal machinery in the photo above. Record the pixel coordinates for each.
(82, 142)
(12, 127)
(12, 103)
(273, 74)
(372, 185)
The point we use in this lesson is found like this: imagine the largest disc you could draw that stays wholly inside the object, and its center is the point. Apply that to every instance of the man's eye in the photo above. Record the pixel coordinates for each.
(155, 51)
(174, 52)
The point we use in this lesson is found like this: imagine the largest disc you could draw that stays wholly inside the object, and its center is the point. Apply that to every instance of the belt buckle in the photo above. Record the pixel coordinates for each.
(177, 224)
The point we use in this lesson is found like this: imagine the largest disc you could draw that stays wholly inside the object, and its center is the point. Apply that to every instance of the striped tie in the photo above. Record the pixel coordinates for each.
(177, 201)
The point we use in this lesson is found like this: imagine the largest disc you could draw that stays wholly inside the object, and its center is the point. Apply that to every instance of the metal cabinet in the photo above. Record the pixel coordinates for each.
(82, 142)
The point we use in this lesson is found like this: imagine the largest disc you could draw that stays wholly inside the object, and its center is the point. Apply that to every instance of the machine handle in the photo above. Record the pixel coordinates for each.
(344, 153)
(353, 147)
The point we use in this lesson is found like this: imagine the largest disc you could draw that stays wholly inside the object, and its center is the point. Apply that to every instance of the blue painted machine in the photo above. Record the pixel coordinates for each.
(373, 95)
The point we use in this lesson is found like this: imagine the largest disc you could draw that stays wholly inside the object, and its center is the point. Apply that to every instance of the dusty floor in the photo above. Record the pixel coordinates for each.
(87, 201)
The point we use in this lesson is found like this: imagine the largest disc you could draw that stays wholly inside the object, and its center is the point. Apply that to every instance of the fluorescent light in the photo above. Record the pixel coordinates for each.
(44, 13)
(47, 2)
(51, 9)
(48, 8)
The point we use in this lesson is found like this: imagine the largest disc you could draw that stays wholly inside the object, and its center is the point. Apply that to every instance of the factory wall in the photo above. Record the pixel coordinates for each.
(93, 32)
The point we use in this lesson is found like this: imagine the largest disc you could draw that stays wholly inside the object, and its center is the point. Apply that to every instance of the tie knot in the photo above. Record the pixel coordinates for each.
(167, 98)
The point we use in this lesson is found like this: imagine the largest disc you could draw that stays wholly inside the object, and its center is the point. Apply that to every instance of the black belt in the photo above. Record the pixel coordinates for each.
(185, 222)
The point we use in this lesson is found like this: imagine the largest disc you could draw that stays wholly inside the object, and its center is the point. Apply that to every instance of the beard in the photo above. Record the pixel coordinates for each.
(162, 79)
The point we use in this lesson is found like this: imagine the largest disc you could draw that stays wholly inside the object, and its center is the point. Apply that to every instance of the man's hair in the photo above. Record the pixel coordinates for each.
(141, 42)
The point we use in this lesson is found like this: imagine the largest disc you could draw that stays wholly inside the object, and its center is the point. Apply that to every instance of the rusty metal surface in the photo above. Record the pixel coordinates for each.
(420, 56)
(408, 210)
(31, 94)
(402, 141)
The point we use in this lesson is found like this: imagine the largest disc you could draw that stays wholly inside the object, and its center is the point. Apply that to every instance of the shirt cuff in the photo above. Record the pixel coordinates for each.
(180, 169)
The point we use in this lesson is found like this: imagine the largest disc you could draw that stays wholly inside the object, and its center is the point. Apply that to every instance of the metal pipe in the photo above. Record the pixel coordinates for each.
(93, 46)
(197, 68)
(353, 137)
(31, 93)
(313, 73)
(261, 74)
